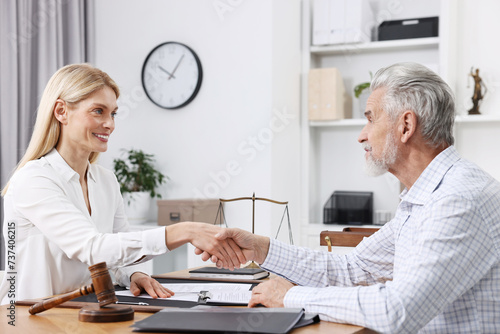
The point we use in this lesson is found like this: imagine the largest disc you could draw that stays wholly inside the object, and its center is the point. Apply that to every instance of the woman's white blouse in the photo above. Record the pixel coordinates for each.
(56, 239)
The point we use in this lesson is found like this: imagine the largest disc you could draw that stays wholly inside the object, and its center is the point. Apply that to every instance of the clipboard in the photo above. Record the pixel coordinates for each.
(208, 298)
(203, 297)
(154, 305)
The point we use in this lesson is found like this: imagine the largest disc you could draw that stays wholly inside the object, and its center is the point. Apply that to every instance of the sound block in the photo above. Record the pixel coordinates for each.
(108, 313)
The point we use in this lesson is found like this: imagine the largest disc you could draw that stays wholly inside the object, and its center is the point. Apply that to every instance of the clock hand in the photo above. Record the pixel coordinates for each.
(175, 69)
(164, 70)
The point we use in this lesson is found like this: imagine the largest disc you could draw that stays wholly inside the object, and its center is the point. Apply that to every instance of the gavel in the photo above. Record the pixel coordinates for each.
(102, 286)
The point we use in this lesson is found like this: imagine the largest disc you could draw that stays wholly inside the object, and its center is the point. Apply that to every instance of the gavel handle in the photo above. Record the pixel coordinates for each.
(54, 301)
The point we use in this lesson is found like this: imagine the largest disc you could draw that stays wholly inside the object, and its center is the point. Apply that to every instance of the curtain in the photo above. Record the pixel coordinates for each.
(37, 37)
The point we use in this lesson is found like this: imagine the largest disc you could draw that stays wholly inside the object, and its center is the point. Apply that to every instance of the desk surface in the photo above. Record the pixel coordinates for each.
(65, 320)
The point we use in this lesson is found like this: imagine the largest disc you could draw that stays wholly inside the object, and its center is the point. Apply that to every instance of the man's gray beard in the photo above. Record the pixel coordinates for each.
(377, 167)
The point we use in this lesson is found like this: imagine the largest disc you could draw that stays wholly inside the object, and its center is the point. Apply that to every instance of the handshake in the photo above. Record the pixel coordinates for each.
(229, 247)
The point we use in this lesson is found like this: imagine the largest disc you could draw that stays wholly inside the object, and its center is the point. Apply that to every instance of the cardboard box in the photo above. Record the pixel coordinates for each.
(328, 99)
(181, 210)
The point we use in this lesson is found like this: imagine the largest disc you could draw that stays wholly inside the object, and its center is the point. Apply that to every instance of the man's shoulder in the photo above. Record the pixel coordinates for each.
(467, 179)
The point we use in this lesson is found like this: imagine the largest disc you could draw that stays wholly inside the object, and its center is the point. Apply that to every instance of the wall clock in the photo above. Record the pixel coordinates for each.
(172, 75)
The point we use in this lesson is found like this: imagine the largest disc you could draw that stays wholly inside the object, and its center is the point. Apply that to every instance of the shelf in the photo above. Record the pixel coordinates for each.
(401, 44)
(362, 122)
(477, 118)
(339, 123)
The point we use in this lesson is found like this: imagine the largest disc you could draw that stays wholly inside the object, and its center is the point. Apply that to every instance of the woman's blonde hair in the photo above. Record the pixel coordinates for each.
(71, 83)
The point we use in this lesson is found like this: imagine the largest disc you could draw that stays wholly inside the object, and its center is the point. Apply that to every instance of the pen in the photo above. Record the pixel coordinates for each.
(133, 303)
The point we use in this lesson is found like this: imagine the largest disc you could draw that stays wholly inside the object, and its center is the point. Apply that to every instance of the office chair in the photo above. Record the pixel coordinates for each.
(348, 237)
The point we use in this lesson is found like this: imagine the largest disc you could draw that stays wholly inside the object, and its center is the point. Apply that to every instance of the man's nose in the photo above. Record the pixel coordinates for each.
(363, 135)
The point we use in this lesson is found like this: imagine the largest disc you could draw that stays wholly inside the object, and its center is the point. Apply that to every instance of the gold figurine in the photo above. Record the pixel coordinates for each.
(478, 94)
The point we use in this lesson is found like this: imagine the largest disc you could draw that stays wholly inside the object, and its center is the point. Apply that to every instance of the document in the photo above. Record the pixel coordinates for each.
(227, 293)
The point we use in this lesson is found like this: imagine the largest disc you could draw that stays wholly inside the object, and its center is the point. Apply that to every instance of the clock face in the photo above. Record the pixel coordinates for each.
(172, 75)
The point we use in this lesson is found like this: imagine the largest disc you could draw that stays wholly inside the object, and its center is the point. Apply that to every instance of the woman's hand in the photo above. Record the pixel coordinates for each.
(202, 236)
(141, 282)
(230, 254)
(254, 247)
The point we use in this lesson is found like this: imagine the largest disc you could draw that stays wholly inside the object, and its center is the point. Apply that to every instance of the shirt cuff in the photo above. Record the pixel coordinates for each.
(122, 275)
(297, 296)
(271, 257)
(153, 241)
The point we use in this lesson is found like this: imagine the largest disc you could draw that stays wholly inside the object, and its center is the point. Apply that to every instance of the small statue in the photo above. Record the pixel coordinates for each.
(478, 94)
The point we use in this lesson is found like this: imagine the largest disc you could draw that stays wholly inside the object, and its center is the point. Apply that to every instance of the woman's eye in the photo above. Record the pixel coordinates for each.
(113, 114)
(98, 111)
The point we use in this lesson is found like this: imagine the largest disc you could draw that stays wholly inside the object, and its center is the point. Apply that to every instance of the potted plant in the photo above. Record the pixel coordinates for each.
(138, 179)
(362, 93)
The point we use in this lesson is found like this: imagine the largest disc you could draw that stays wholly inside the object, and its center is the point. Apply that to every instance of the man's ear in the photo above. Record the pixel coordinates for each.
(61, 111)
(407, 125)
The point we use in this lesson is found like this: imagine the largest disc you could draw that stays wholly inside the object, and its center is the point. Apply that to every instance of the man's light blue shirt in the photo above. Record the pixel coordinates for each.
(434, 268)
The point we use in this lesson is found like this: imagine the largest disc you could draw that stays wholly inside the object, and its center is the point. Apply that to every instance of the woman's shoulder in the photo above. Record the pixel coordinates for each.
(33, 168)
(34, 173)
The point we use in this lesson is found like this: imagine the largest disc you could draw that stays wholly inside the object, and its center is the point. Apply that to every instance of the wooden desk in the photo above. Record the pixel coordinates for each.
(65, 320)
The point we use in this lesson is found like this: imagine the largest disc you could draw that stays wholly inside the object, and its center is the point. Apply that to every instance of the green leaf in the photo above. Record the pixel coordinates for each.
(136, 172)
(360, 88)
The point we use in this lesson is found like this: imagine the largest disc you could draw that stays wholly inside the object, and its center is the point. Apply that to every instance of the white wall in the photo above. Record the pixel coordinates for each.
(239, 115)
(478, 47)
(245, 109)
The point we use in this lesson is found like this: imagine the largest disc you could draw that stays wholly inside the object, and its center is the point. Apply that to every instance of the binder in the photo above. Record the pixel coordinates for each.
(154, 305)
(213, 319)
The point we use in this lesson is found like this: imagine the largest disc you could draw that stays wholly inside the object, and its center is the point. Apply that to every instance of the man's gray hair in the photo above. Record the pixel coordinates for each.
(411, 86)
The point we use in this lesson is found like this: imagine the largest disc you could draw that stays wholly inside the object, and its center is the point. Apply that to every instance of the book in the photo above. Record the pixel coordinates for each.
(240, 273)
(214, 319)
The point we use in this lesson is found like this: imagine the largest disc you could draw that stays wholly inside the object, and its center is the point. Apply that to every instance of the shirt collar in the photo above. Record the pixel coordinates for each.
(59, 164)
(431, 177)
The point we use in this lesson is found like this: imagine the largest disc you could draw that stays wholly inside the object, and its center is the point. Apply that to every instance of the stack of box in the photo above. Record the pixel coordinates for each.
(328, 99)
(180, 210)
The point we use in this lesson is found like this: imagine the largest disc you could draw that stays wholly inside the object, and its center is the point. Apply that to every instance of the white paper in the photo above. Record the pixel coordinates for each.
(221, 292)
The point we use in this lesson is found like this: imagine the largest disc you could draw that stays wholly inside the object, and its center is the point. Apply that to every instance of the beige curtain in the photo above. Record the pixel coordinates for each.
(36, 38)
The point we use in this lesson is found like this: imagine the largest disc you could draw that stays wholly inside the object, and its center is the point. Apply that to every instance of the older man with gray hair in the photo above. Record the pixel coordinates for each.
(435, 267)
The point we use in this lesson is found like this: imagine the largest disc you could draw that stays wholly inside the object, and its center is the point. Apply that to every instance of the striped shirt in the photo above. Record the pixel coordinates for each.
(434, 268)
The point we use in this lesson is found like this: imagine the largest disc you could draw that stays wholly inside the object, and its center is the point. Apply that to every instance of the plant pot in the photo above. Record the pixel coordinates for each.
(137, 206)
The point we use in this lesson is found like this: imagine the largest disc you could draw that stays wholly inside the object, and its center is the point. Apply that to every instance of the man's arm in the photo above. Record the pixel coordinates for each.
(371, 262)
(444, 255)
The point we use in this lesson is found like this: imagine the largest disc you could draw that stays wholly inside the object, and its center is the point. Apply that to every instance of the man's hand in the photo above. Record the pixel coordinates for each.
(270, 293)
(254, 247)
(202, 236)
(141, 282)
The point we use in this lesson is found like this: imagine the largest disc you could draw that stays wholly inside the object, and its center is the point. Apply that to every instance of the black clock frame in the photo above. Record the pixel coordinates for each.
(198, 85)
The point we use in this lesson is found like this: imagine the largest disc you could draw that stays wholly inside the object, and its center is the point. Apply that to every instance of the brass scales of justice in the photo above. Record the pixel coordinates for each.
(222, 218)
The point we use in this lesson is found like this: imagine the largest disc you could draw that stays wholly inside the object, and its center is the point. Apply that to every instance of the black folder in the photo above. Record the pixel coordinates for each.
(214, 319)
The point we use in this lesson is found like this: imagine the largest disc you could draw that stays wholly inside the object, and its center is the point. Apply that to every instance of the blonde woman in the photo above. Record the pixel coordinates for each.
(67, 213)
